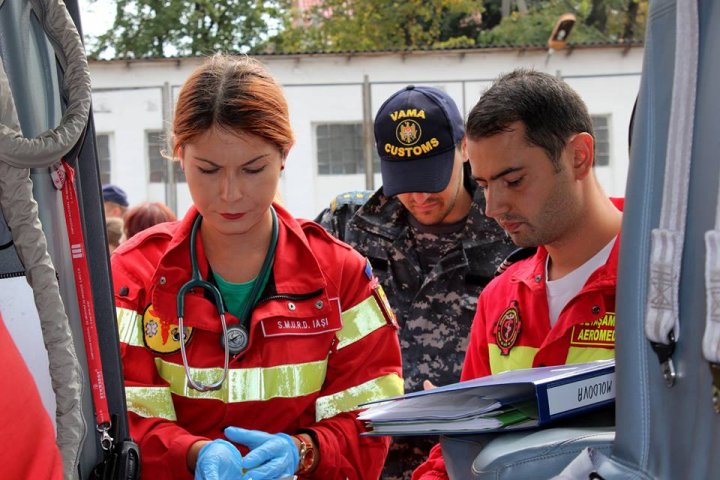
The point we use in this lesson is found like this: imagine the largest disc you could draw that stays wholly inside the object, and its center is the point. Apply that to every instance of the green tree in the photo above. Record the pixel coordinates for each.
(597, 21)
(163, 28)
(361, 25)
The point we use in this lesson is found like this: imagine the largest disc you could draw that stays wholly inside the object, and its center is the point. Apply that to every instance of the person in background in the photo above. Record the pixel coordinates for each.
(115, 201)
(114, 231)
(144, 216)
(428, 240)
(307, 330)
(531, 147)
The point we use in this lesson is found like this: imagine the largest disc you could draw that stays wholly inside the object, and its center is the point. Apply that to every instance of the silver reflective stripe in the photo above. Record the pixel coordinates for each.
(150, 402)
(130, 327)
(348, 400)
(247, 384)
(360, 321)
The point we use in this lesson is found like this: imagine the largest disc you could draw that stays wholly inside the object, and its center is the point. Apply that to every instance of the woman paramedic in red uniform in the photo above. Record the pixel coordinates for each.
(270, 389)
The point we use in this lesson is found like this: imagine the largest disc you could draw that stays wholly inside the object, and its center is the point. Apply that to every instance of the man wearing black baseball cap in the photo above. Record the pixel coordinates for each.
(427, 239)
(418, 131)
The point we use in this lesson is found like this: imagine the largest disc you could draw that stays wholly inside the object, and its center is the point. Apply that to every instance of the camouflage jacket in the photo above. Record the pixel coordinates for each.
(434, 310)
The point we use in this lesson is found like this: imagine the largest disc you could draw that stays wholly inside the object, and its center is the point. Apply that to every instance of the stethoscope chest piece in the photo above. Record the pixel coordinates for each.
(237, 339)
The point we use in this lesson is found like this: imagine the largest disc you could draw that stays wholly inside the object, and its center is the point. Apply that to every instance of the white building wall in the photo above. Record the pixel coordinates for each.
(328, 88)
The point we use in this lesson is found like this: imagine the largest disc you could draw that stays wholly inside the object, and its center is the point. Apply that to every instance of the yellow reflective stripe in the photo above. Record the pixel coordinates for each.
(361, 320)
(585, 354)
(247, 384)
(348, 400)
(150, 402)
(519, 357)
(129, 326)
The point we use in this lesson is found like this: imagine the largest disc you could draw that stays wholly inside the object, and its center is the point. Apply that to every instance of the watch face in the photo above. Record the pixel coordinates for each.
(307, 455)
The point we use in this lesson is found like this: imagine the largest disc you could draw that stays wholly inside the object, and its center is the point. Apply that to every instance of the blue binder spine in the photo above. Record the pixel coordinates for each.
(573, 395)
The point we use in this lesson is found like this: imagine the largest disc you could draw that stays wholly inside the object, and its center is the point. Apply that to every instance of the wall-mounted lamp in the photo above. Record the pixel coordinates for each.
(561, 31)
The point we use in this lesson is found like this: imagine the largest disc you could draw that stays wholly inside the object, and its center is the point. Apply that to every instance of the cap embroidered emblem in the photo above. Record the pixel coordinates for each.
(507, 328)
(408, 132)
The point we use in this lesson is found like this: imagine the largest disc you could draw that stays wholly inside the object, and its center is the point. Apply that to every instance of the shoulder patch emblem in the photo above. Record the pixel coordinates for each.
(382, 301)
(368, 269)
(161, 336)
(507, 328)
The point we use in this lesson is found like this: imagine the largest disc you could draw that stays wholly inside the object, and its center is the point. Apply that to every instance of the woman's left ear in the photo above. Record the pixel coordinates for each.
(181, 157)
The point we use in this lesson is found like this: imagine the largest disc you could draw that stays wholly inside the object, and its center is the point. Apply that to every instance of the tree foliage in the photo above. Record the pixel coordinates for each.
(357, 25)
(597, 21)
(162, 28)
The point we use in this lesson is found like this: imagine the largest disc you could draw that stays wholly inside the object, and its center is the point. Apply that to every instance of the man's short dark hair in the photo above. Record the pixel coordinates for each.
(550, 110)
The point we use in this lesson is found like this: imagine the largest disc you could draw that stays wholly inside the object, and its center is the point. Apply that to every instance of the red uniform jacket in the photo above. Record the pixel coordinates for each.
(322, 341)
(511, 329)
(27, 447)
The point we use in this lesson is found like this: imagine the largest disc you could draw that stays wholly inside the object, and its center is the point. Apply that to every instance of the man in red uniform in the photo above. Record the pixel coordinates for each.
(531, 149)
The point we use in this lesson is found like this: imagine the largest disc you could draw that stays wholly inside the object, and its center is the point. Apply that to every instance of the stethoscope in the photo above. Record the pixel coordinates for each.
(235, 338)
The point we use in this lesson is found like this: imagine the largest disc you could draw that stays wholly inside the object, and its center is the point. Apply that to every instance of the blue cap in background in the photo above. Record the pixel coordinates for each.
(115, 194)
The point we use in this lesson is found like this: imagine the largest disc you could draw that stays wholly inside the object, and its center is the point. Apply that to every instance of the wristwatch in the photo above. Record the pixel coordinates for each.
(307, 454)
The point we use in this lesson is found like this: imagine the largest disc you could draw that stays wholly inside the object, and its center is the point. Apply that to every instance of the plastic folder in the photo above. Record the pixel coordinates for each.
(509, 400)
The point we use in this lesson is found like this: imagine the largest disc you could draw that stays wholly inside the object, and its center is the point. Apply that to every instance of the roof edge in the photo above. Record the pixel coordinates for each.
(402, 52)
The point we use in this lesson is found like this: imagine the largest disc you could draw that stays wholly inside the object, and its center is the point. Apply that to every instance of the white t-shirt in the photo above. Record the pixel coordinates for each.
(562, 290)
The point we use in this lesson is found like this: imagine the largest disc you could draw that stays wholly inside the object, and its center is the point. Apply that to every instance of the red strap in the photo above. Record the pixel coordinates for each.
(84, 295)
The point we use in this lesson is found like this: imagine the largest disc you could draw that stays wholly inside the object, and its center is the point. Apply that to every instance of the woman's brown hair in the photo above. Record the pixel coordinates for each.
(235, 93)
(145, 215)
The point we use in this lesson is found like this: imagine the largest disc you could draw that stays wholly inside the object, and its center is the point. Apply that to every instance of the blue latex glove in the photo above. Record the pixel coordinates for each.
(218, 460)
(271, 456)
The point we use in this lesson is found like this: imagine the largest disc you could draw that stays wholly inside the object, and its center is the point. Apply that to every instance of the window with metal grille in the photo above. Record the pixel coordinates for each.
(155, 141)
(340, 149)
(601, 125)
(102, 142)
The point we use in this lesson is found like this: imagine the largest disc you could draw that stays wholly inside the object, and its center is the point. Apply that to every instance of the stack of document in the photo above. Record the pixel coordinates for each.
(510, 400)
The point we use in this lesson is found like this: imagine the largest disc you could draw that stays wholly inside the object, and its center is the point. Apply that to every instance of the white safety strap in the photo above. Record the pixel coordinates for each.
(711, 340)
(662, 319)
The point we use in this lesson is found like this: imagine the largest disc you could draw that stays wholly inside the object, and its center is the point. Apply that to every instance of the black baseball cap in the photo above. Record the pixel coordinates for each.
(416, 132)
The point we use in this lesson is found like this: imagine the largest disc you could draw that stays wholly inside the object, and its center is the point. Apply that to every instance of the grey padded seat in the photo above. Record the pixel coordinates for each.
(528, 454)
(539, 455)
